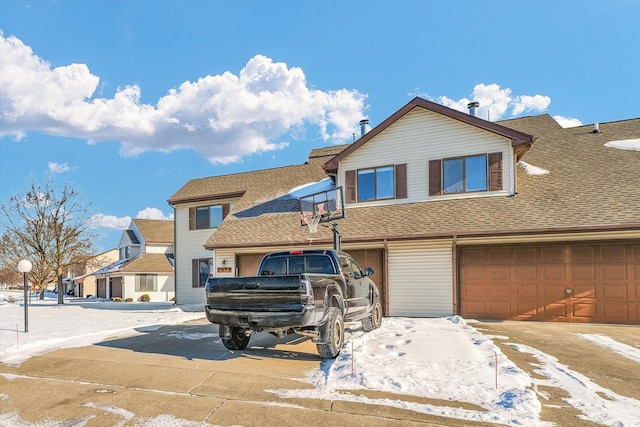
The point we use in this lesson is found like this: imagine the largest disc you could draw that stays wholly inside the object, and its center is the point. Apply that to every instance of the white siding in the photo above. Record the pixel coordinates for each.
(421, 279)
(164, 288)
(423, 135)
(158, 249)
(189, 245)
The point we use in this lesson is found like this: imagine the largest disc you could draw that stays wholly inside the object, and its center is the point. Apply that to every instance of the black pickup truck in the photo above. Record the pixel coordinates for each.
(306, 292)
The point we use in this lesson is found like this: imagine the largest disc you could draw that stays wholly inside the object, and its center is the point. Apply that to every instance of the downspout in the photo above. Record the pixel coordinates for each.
(385, 290)
(175, 256)
(456, 292)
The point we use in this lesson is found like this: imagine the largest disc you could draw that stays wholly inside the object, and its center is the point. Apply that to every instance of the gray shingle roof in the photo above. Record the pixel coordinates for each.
(156, 231)
(589, 186)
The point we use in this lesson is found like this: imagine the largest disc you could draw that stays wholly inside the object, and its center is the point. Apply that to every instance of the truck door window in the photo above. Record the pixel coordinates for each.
(347, 270)
(354, 267)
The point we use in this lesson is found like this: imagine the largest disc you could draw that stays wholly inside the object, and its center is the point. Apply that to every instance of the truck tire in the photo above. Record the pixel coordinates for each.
(374, 320)
(334, 328)
(238, 339)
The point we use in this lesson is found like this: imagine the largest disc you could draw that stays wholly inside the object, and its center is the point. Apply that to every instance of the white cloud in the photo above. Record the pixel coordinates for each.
(110, 221)
(223, 117)
(153, 213)
(567, 122)
(496, 102)
(58, 167)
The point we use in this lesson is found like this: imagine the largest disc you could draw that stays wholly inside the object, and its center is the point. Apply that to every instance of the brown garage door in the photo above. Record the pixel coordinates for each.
(373, 258)
(248, 264)
(569, 282)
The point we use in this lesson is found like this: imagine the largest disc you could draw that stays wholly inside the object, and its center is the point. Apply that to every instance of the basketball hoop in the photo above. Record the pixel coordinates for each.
(312, 221)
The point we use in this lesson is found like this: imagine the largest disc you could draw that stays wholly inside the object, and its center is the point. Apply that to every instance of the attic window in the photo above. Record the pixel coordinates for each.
(468, 174)
(376, 183)
(203, 217)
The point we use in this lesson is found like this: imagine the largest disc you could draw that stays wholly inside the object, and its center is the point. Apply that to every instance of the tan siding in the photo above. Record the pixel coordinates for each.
(421, 279)
(421, 136)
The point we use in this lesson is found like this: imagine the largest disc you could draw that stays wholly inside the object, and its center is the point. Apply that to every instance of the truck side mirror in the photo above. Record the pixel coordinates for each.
(368, 271)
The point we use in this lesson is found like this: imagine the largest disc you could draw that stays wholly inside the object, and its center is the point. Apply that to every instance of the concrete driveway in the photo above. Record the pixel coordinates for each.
(129, 381)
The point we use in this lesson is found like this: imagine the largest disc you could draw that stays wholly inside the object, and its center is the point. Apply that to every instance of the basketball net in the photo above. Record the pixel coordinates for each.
(312, 221)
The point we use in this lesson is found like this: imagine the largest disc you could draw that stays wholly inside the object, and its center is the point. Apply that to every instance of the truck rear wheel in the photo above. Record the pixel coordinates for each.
(334, 331)
(238, 339)
(374, 320)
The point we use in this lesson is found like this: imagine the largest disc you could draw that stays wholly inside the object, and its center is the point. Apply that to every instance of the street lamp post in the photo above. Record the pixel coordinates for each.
(24, 267)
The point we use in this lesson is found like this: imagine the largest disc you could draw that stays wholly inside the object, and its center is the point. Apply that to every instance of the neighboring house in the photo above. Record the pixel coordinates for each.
(520, 219)
(145, 264)
(83, 282)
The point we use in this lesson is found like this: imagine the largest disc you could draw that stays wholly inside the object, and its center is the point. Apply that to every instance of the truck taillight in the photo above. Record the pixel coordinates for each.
(306, 291)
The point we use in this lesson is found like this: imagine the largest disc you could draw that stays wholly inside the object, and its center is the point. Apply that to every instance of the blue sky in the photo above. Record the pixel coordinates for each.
(127, 100)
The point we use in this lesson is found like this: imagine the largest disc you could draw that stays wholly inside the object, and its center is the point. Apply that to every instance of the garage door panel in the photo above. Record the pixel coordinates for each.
(524, 255)
(603, 279)
(498, 256)
(524, 292)
(553, 254)
(614, 272)
(553, 291)
(525, 273)
(583, 254)
(554, 272)
(614, 311)
(583, 291)
(526, 311)
(472, 274)
(554, 311)
(583, 273)
(612, 253)
(584, 312)
(613, 292)
(501, 309)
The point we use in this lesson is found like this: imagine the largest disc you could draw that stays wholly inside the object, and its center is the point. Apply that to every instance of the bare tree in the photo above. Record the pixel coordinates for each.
(51, 226)
(12, 251)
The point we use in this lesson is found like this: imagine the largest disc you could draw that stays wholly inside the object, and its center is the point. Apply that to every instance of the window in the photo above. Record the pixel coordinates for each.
(146, 282)
(465, 174)
(203, 217)
(379, 183)
(201, 269)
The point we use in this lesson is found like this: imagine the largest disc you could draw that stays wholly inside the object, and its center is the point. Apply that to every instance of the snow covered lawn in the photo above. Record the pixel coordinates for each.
(444, 359)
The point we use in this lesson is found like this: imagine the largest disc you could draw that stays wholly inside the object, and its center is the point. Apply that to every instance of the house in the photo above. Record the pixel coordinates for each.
(83, 281)
(520, 219)
(145, 264)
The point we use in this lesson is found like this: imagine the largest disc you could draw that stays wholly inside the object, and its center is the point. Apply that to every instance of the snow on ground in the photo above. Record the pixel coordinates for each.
(78, 322)
(597, 404)
(625, 350)
(442, 358)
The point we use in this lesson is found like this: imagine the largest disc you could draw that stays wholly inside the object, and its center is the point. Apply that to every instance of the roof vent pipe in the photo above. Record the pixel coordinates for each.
(596, 128)
(472, 107)
(364, 127)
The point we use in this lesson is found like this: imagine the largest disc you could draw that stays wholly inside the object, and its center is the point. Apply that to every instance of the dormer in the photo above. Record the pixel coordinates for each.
(427, 152)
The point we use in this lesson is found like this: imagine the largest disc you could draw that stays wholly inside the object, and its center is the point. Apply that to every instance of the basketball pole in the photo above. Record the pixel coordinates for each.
(337, 237)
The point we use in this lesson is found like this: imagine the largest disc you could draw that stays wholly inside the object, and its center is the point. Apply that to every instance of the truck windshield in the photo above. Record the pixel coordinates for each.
(297, 264)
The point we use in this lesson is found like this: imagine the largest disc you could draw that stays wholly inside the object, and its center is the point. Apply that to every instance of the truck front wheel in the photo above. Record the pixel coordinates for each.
(334, 331)
(238, 340)
(374, 320)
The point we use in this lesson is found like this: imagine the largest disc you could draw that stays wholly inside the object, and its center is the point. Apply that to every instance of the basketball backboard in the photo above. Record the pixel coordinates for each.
(323, 206)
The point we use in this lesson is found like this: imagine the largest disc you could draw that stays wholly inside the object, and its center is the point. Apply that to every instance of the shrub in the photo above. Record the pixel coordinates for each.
(116, 299)
(145, 298)
(172, 299)
(129, 300)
